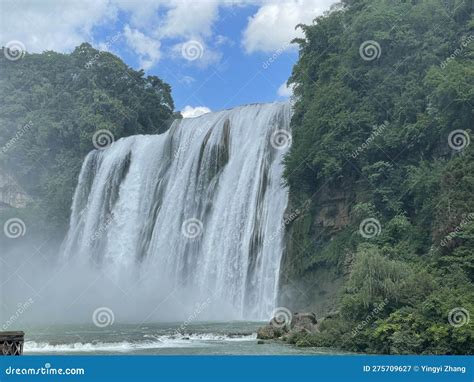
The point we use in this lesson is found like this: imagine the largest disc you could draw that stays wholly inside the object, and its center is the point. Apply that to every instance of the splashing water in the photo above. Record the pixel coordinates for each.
(199, 207)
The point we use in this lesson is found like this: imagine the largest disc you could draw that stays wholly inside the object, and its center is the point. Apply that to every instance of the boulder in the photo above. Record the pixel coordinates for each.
(304, 322)
(269, 332)
(300, 322)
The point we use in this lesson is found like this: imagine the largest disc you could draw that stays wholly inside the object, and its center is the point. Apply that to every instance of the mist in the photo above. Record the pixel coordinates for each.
(42, 287)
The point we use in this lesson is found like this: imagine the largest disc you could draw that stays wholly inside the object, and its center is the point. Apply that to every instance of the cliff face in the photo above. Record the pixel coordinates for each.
(11, 194)
(313, 271)
(332, 209)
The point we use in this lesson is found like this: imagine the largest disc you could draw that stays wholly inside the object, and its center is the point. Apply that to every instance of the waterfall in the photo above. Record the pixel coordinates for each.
(200, 206)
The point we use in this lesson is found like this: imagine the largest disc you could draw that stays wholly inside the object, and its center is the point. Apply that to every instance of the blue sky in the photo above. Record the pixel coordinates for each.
(233, 78)
(215, 54)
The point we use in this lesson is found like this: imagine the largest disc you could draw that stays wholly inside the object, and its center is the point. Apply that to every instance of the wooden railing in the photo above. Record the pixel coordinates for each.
(11, 343)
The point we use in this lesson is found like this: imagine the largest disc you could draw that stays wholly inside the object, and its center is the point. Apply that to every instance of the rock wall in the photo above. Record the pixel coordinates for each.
(332, 209)
(313, 273)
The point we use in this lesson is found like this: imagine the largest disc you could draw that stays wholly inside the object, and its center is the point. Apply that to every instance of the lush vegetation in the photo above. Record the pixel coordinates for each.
(51, 105)
(378, 128)
(373, 122)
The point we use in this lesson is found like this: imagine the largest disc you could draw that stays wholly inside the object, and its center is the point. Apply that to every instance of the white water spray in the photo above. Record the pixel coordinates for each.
(199, 208)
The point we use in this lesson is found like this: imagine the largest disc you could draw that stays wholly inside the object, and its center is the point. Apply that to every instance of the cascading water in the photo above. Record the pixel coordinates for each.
(200, 206)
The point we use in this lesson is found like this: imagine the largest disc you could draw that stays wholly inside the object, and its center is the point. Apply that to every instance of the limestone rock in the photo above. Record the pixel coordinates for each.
(304, 322)
(300, 322)
(269, 332)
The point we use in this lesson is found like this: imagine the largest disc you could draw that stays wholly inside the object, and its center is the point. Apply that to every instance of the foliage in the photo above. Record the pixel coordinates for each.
(51, 105)
(379, 128)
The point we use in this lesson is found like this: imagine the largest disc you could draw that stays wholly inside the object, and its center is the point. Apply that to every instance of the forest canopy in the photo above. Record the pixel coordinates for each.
(52, 104)
(384, 110)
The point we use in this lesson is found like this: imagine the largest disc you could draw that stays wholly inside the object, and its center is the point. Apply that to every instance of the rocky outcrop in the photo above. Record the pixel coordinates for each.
(270, 332)
(300, 322)
(11, 194)
(332, 209)
(313, 267)
(304, 322)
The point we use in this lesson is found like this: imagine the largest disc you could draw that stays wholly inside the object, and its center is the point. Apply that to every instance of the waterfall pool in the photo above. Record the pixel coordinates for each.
(204, 338)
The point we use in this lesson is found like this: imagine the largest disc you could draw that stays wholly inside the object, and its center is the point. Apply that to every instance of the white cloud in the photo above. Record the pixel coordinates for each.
(196, 52)
(147, 49)
(223, 40)
(285, 91)
(52, 25)
(189, 18)
(187, 80)
(273, 26)
(143, 13)
(62, 25)
(191, 112)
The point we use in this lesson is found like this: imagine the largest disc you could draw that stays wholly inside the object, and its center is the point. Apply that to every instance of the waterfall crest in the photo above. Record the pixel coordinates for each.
(200, 206)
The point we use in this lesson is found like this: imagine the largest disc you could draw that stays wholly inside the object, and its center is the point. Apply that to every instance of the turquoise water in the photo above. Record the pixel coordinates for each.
(161, 338)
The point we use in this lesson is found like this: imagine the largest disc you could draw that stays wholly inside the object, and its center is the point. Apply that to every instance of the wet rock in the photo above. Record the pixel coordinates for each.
(266, 332)
(304, 322)
(272, 330)
(260, 342)
(300, 323)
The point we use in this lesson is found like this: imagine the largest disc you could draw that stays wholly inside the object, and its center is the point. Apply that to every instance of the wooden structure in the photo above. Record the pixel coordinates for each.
(11, 343)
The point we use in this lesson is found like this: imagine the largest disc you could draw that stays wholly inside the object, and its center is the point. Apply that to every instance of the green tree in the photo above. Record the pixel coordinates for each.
(51, 105)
